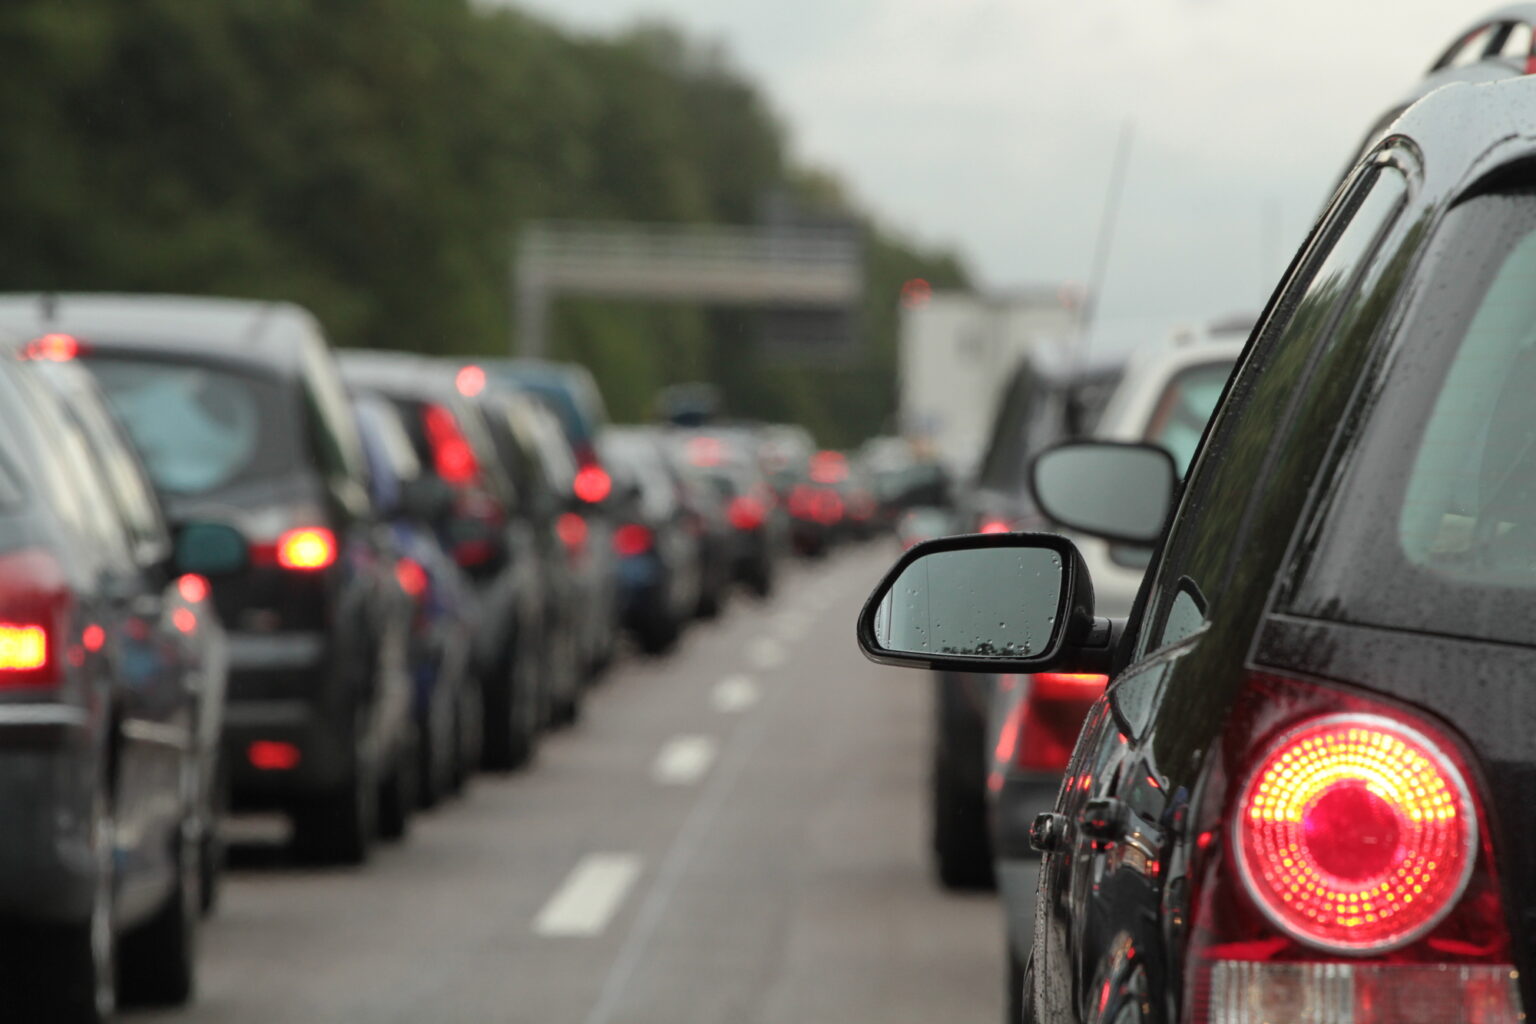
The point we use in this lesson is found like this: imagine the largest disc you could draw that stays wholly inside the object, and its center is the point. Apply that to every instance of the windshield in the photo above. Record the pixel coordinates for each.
(199, 428)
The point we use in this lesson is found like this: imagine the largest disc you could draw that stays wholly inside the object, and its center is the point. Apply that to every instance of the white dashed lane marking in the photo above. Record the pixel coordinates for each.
(591, 894)
(684, 760)
(734, 694)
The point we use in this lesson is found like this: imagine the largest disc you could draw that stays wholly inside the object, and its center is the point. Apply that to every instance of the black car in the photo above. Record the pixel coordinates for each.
(488, 534)
(1305, 793)
(239, 416)
(103, 707)
(756, 527)
(1045, 401)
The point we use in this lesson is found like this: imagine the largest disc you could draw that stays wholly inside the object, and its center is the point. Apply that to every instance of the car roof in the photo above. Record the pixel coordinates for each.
(401, 373)
(237, 330)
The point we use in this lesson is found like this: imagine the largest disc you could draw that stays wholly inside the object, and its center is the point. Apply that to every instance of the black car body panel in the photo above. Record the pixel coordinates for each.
(1282, 575)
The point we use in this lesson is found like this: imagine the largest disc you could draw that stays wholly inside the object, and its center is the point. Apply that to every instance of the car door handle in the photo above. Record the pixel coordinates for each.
(1103, 819)
(1049, 832)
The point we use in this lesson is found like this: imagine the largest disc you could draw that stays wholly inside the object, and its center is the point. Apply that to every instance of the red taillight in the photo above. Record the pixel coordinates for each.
(470, 380)
(746, 513)
(995, 526)
(1530, 64)
(193, 588)
(34, 600)
(306, 549)
(593, 484)
(1052, 714)
(1355, 833)
(1356, 881)
(829, 467)
(55, 348)
(633, 539)
(452, 455)
(273, 756)
(572, 529)
(411, 577)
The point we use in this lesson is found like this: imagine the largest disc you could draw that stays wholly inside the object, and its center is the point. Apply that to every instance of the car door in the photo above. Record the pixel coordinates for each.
(1139, 758)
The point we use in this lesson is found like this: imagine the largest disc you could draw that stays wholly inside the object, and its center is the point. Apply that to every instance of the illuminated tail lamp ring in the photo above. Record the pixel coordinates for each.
(1356, 834)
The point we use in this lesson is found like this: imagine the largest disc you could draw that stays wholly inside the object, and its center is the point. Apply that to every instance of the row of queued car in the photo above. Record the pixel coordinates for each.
(240, 571)
(1259, 701)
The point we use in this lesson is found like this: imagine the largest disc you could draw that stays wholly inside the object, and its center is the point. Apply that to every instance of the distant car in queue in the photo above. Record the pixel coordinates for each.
(483, 531)
(236, 409)
(1165, 397)
(1047, 399)
(1304, 794)
(657, 540)
(111, 697)
(446, 699)
(757, 531)
(536, 463)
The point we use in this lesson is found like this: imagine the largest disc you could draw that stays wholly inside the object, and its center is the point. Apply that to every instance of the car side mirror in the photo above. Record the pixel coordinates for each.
(426, 499)
(210, 549)
(1117, 491)
(1008, 602)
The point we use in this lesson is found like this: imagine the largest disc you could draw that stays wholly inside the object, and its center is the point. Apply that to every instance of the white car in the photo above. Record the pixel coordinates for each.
(1166, 395)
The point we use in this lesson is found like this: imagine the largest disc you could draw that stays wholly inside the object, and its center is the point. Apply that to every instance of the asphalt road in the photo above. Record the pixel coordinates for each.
(732, 834)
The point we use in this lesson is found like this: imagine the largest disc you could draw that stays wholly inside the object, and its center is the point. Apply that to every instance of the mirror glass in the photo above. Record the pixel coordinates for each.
(210, 549)
(1116, 491)
(991, 602)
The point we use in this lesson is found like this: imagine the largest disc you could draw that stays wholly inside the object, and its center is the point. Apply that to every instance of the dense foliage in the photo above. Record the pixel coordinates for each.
(373, 162)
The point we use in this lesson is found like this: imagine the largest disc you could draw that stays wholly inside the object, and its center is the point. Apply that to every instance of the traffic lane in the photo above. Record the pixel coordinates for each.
(782, 877)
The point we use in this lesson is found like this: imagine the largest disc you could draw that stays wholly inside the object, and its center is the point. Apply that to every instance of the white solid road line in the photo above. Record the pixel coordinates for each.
(684, 760)
(734, 694)
(590, 896)
(765, 652)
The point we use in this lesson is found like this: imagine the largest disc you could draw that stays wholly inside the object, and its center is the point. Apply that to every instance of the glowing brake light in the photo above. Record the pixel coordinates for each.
(470, 380)
(452, 455)
(193, 588)
(633, 539)
(746, 513)
(1355, 833)
(572, 529)
(54, 348)
(593, 484)
(22, 647)
(307, 548)
(995, 526)
(273, 755)
(411, 577)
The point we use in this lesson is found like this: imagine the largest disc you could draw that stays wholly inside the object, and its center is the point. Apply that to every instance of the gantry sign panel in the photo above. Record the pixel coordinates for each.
(818, 271)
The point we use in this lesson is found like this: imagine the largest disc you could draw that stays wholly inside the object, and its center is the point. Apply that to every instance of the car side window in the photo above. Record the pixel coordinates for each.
(1229, 470)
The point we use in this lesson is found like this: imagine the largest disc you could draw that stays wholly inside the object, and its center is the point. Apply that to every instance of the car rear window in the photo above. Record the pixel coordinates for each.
(202, 428)
(1433, 524)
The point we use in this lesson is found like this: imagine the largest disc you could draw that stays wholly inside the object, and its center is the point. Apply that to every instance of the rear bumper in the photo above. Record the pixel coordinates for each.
(282, 690)
(48, 779)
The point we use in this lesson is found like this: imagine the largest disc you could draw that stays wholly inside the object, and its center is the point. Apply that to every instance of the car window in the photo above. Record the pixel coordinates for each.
(1471, 49)
(1212, 522)
(1517, 41)
(199, 428)
(122, 476)
(1179, 418)
(1447, 460)
(330, 417)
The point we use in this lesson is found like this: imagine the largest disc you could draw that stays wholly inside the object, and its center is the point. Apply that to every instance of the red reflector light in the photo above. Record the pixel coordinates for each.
(593, 484)
(470, 380)
(572, 529)
(193, 588)
(411, 577)
(996, 526)
(632, 539)
(307, 548)
(746, 513)
(273, 755)
(184, 620)
(1356, 833)
(55, 348)
(452, 455)
(22, 647)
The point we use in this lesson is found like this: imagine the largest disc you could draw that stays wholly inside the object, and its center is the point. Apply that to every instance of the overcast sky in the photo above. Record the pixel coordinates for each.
(990, 125)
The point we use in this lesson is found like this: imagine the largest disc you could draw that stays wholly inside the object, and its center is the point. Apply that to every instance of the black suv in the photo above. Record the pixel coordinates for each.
(239, 415)
(1305, 794)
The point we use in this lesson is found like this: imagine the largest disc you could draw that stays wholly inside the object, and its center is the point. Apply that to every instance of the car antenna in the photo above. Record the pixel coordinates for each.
(1105, 243)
